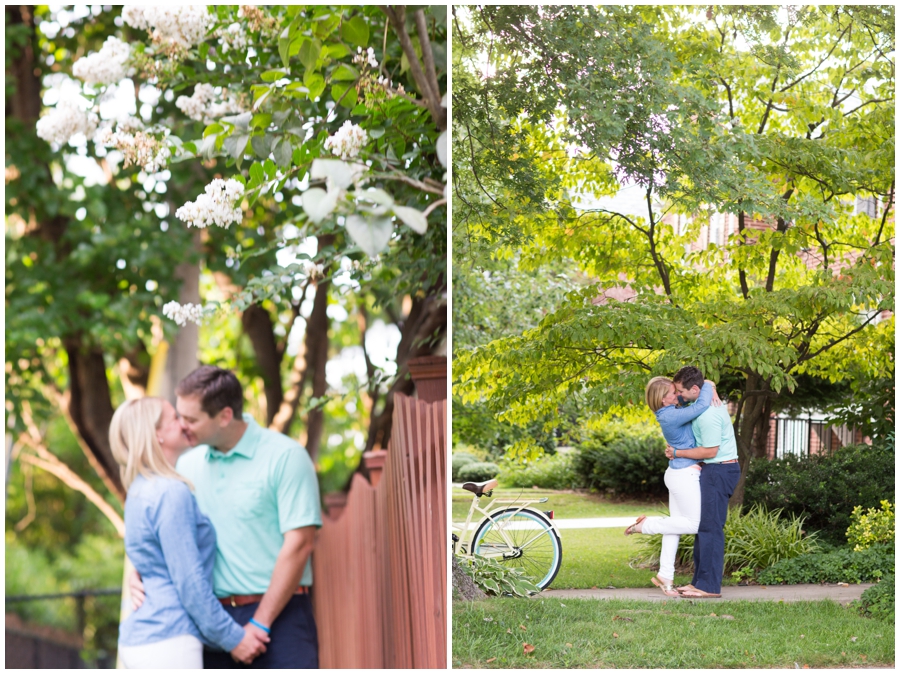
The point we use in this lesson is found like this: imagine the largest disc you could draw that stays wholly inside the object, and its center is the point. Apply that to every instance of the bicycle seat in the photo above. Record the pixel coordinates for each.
(480, 488)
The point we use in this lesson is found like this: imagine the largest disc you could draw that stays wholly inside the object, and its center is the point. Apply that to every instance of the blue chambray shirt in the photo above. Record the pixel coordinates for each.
(676, 425)
(173, 546)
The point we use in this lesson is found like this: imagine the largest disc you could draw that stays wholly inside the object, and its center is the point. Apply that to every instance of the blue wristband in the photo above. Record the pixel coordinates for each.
(260, 626)
(674, 455)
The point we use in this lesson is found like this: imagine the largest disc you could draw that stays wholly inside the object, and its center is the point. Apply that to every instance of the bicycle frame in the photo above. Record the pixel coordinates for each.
(463, 547)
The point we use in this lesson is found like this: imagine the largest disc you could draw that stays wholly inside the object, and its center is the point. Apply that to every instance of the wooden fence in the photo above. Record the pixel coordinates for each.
(380, 562)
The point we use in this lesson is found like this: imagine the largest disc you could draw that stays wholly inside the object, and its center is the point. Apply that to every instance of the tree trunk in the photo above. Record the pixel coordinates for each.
(259, 328)
(463, 586)
(91, 410)
(754, 411)
(26, 103)
(427, 319)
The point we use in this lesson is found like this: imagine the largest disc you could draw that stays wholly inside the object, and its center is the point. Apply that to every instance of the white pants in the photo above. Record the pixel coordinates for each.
(684, 515)
(181, 652)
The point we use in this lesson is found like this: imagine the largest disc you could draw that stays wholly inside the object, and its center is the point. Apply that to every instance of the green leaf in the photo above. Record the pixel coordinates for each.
(261, 120)
(203, 50)
(262, 146)
(273, 75)
(315, 83)
(344, 94)
(371, 234)
(318, 203)
(269, 168)
(213, 128)
(283, 154)
(335, 51)
(412, 218)
(356, 31)
(235, 145)
(284, 44)
(309, 53)
(344, 72)
(257, 175)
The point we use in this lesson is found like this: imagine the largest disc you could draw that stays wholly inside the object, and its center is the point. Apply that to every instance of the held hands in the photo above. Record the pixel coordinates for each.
(252, 645)
(716, 400)
(137, 589)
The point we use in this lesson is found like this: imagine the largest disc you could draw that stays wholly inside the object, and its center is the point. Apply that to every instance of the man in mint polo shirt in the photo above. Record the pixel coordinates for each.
(260, 491)
(717, 448)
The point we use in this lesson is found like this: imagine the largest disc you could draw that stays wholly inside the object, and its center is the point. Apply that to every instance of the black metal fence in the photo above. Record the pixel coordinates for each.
(35, 647)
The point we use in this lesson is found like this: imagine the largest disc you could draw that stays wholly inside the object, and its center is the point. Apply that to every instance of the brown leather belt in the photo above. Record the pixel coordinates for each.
(244, 599)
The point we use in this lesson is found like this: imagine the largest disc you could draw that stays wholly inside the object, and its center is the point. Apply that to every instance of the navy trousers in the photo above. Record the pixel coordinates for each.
(717, 483)
(294, 645)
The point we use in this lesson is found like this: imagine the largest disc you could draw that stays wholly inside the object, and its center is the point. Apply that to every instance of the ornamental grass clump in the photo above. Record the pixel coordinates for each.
(754, 540)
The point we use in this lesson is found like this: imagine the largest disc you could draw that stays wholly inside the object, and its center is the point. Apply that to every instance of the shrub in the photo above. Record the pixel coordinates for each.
(456, 464)
(549, 472)
(824, 488)
(478, 472)
(839, 566)
(497, 579)
(878, 601)
(875, 526)
(630, 463)
(753, 540)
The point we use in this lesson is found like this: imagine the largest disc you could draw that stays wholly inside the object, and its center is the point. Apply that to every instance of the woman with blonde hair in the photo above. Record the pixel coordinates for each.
(682, 477)
(172, 545)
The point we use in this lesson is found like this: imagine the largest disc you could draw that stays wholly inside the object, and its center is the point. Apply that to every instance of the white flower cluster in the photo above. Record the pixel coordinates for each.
(106, 66)
(202, 106)
(313, 270)
(347, 141)
(138, 147)
(367, 56)
(67, 119)
(181, 314)
(217, 206)
(184, 25)
(232, 37)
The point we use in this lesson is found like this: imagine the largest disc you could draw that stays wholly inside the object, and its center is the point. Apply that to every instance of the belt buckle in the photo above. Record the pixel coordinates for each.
(233, 602)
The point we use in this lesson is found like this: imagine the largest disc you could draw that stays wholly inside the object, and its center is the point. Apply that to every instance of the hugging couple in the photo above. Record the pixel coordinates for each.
(702, 475)
(220, 535)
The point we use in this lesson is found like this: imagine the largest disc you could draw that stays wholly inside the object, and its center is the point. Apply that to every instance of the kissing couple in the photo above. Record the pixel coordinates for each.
(220, 520)
(702, 475)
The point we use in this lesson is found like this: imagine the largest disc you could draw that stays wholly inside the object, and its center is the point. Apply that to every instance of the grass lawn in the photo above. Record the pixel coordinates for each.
(599, 558)
(591, 557)
(564, 504)
(677, 634)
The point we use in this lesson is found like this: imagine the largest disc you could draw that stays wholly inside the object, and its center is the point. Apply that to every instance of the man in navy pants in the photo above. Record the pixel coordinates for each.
(717, 448)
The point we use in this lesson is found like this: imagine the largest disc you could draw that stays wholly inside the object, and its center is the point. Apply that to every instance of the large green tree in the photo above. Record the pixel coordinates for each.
(781, 118)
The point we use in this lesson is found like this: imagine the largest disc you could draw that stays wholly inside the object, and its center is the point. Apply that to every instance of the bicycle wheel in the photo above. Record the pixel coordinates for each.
(521, 538)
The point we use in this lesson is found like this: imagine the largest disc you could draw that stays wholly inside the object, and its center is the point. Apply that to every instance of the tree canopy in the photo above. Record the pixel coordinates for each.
(780, 118)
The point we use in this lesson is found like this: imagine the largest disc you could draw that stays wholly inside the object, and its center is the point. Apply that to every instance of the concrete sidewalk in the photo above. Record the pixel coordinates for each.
(778, 593)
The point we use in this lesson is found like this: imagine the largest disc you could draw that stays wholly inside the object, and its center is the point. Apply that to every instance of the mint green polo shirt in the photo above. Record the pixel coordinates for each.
(266, 485)
(713, 428)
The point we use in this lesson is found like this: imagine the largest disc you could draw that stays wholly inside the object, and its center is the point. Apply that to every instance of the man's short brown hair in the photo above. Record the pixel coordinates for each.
(216, 388)
(689, 377)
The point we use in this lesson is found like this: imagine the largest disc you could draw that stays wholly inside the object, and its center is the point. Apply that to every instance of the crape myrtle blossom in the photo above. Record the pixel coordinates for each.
(182, 25)
(106, 66)
(367, 56)
(138, 148)
(201, 105)
(67, 119)
(217, 206)
(347, 141)
(182, 313)
(232, 37)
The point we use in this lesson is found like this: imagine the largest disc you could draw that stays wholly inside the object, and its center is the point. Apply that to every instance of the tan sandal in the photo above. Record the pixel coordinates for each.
(691, 592)
(630, 530)
(667, 588)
